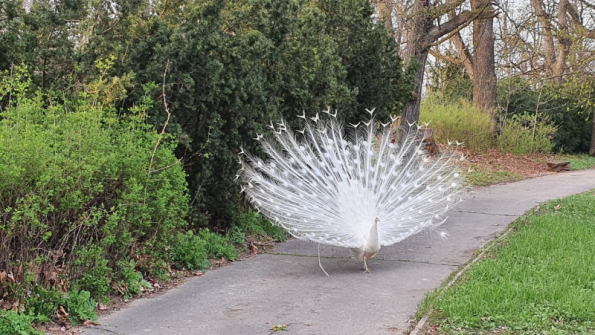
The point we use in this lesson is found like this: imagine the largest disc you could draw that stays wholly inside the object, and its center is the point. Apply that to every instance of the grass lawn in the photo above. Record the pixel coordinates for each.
(579, 162)
(481, 176)
(538, 279)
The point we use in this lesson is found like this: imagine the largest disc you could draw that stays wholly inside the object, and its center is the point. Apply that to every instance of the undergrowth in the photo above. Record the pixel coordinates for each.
(458, 122)
(519, 134)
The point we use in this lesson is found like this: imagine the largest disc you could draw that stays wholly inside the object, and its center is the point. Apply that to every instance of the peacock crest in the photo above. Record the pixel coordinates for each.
(360, 187)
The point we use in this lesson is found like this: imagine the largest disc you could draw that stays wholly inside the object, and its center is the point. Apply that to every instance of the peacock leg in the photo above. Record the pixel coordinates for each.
(366, 270)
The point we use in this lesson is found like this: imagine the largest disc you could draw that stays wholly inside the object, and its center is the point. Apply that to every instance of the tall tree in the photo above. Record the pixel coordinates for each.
(479, 59)
(422, 22)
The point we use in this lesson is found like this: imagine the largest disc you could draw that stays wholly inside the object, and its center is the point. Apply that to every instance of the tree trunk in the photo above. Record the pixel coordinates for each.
(417, 50)
(484, 75)
(423, 34)
(548, 37)
(411, 111)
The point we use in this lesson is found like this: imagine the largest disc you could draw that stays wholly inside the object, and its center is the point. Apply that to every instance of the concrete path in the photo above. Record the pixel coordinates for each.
(286, 286)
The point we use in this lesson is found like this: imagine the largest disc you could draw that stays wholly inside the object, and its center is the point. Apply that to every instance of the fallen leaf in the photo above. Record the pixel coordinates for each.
(101, 307)
(558, 207)
(90, 323)
(10, 278)
(253, 249)
(20, 271)
(62, 312)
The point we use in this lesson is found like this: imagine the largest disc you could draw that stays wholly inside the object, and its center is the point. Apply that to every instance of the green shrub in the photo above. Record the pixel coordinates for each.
(216, 246)
(43, 302)
(12, 323)
(524, 134)
(132, 280)
(95, 274)
(565, 106)
(256, 225)
(85, 186)
(80, 306)
(458, 122)
(189, 251)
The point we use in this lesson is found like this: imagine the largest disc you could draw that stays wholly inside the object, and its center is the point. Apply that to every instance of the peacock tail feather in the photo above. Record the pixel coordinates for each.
(327, 183)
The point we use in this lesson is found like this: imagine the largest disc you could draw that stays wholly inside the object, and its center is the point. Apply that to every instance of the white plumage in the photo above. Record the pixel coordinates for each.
(357, 188)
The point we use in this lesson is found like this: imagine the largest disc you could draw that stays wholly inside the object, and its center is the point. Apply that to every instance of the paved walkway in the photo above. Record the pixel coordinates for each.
(286, 286)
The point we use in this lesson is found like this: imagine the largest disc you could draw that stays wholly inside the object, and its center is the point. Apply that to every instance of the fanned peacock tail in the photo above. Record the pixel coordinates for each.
(328, 184)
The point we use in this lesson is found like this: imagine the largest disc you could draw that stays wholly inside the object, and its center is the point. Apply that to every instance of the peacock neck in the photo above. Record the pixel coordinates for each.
(373, 241)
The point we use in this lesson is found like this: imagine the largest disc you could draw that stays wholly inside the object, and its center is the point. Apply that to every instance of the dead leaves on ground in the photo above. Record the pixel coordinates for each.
(528, 165)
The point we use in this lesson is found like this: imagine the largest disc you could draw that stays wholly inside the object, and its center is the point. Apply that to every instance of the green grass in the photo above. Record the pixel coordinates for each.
(540, 279)
(579, 162)
(485, 177)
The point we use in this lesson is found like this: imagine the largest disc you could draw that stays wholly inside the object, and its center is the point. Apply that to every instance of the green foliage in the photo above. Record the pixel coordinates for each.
(12, 323)
(256, 225)
(579, 162)
(44, 302)
(520, 134)
(563, 106)
(80, 306)
(232, 67)
(95, 273)
(84, 186)
(523, 284)
(216, 246)
(458, 121)
(524, 134)
(189, 251)
(132, 281)
(450, 82)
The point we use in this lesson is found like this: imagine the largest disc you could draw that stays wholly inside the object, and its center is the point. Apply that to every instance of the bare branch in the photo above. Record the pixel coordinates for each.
(577, 22)
(164, 125)
(463, 51)
(457, 23)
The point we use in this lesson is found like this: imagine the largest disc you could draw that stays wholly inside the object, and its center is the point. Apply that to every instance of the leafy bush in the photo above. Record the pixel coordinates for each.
(132, 281)
(44, 302)
(458, 121)
(216, 246)
(84, 186)
(80, 306)
(95, 273)
(189, 251)
(256, 225)
(524, 134)
(564, 107)
(13, 323)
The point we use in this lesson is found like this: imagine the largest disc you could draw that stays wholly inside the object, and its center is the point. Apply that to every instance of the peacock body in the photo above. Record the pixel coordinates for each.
(361, 188)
